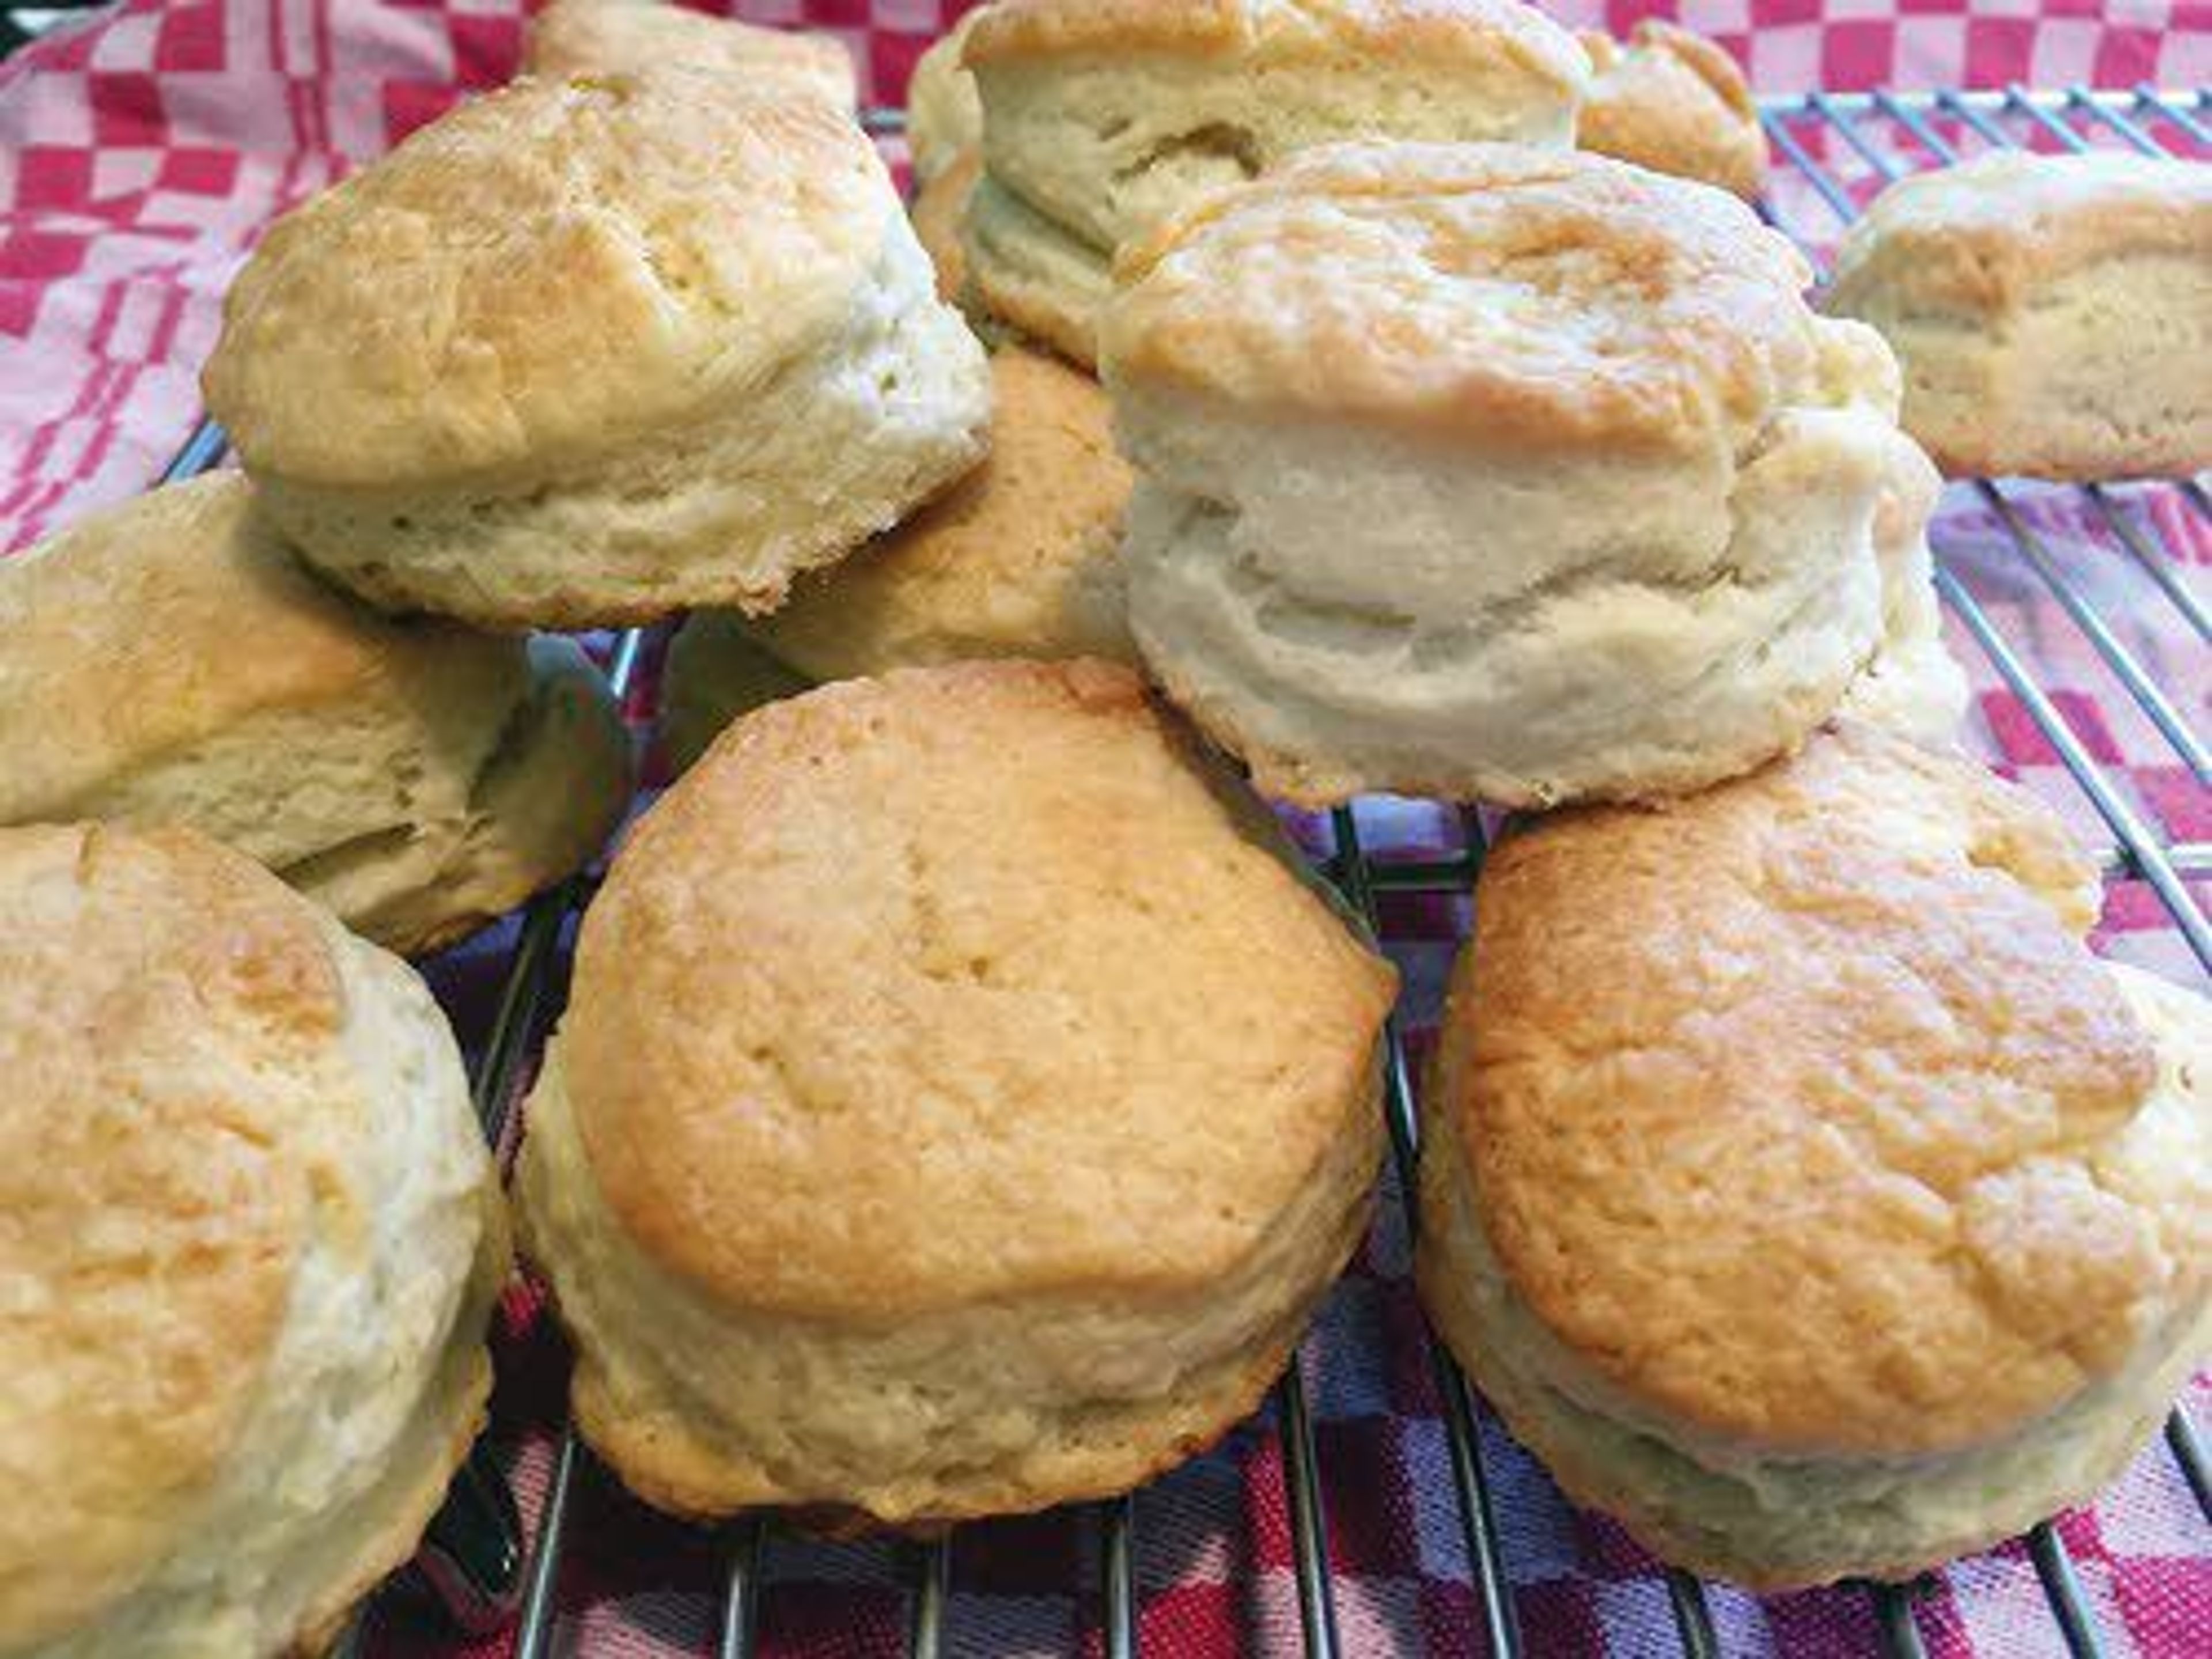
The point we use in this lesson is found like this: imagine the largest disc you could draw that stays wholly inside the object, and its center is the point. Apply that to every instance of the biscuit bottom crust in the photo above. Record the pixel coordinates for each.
(704, 1411)
(550, 790)
(1111, 1452)
(1031, 274)
(394, 1514)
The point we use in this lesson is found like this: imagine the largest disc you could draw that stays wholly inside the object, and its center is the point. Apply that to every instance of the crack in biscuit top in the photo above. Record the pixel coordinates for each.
(1492, 293)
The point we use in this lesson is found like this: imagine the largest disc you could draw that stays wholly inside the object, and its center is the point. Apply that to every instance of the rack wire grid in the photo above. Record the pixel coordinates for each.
(1832, 153)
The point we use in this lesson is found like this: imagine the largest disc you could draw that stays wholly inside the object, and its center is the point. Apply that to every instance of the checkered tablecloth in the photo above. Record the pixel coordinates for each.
(139, 154)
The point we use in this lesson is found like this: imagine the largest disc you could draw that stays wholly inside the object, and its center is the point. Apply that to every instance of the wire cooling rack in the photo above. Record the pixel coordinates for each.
(1833, 152)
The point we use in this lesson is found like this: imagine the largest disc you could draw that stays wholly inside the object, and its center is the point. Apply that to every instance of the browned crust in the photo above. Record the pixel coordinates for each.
(691, 1082)
(204, 1001)
(161, 1000)
(996, 565)
(1775, 1103)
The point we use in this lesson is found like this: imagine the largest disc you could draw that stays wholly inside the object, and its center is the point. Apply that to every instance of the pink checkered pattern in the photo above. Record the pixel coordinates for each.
(140, 154)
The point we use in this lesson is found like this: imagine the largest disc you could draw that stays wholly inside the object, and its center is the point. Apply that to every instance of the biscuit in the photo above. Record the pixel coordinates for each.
(1795, 1183)
(939, 208)
(1023, 272)
(944, 115)
(1101, 120)
(591, 352)
(1913, 687)
(418, 779)
(962, 1105)
(1491, 472)
(252, 1241)
(1671, 100)
(573, 38)
(716, 670)
(1021, 558)
(2052, 313)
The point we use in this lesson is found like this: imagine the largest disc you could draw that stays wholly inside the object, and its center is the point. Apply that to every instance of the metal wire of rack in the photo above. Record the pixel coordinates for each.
(1813, 136)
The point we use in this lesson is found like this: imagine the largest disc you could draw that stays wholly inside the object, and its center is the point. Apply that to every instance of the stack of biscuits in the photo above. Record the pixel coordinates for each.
(966, 1093)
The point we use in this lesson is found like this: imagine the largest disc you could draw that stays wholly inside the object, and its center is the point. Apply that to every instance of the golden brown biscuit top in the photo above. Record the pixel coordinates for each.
(547, 271)
(997, 564)
(1493, 292)
(161, 999)
(153, 625)
(1800, 1111)
(1988, 232)
(603, 37)
(964, 982)
(1263, 32)
(1674, 101)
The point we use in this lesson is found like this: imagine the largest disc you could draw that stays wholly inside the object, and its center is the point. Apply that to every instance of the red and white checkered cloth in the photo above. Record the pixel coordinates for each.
(140, 153)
